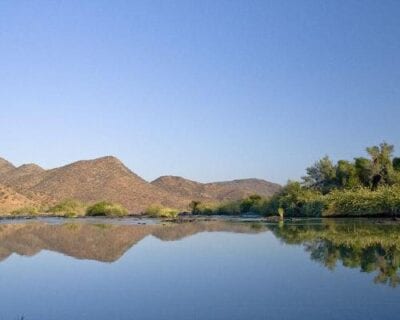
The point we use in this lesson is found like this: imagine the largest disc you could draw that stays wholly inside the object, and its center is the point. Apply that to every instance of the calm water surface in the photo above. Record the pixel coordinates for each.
(102, 269)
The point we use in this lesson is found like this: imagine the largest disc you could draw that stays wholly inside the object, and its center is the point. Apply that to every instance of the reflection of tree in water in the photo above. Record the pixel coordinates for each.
(367, 246)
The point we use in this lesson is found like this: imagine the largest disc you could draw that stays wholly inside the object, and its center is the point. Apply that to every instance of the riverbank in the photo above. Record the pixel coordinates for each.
(145, 219)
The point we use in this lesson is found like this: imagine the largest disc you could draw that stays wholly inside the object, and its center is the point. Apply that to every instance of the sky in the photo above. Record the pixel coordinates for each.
(208, 90)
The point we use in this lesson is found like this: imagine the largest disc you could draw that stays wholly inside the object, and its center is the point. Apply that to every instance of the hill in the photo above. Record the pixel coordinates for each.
(216, 191)
(22, 177)
(11, 200)
(5, 166)
(107, 178)
(104, 178)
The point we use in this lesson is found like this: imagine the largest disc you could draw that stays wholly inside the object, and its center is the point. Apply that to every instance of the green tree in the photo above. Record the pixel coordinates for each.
(381, 164)
(363, 170)
(250, 204)
(321, 176)
(346, 174)
(194, 207)
(296, 201)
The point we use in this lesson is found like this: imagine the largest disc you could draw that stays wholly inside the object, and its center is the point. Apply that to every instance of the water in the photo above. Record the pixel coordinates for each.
(108, 269)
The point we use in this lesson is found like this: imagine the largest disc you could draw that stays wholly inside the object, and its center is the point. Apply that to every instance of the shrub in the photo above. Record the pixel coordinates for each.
(161, 212)
(362, 201)
(296, 201)
(205, 209)
(26, 211)
(194, 206)
(254, 204)
(106, 208)
(228, 208)
(69, 208)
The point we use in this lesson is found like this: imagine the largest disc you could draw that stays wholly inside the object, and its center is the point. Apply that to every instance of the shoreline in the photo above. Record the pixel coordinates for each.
(194, 218)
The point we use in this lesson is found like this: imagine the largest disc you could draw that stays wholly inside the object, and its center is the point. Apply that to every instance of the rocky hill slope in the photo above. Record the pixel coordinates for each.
(11, 200)
(216, 191)
(107, 178)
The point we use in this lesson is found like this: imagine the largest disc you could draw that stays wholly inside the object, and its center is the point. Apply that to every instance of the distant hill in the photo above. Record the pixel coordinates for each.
(216, 191)
(95, 180)
(107, 178)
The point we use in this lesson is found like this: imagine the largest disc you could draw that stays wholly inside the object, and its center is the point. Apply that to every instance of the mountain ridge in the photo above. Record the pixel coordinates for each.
(107, 178)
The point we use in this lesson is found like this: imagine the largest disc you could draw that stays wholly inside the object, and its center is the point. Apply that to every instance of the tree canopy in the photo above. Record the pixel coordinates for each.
(380, 168)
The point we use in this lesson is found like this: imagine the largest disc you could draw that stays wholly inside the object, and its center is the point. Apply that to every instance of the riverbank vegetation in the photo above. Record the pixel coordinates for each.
(161, 212)
(30, 210)
(68, 208)
(362, 187)
(106, 209)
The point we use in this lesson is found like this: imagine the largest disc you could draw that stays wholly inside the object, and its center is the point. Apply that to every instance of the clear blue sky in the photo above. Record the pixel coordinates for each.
(209, 90)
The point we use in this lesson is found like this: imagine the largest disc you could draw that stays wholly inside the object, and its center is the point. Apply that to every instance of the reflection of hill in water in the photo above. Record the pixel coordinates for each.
(101, 242)
(368, 246)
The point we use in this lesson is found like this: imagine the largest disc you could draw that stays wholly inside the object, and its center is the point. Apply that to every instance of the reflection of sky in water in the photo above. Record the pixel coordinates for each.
(211, 275)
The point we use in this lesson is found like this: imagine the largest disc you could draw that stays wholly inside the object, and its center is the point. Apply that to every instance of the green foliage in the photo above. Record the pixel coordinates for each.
(379, 170)
(364, 172)
(363, 202)
(161, 212)
(296, 201)
(228, 208)
(106, 208)
(206, 209)
(31, 211)
(253, 204)
(194, 206)
(321, 176)
(69, 208)
(346, 175)
(381, 164)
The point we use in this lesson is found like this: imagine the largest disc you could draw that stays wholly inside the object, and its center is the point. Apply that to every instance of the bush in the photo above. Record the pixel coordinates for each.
(228, 208)
(69, 208)
(363, 202)
(105, 208)
(205, 209)
(254, 204)
(296, 201)
(161, 212)
(26, 211)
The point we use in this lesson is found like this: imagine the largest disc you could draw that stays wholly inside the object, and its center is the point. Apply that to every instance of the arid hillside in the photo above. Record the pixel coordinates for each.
(216, 191)
(107, 178)
(90, 181)
(11, 200)
(5, 166)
